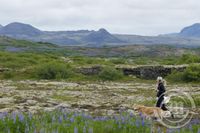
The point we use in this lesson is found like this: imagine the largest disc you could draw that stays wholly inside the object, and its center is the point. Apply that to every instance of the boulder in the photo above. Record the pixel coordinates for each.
(93, 70)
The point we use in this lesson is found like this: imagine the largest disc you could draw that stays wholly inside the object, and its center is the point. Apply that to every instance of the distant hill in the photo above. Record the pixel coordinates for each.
(100, 37)
(13, 45)
(19, 30)
(188, 37)
(82, 37)
(191, 31)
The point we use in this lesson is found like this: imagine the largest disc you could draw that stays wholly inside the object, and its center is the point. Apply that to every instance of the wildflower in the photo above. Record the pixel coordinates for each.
(75, 130)
(14, 116)
(198, 130)
(137, 123)
(53, 119)
(90, 130)
(72, 119)
(123, 120)
(1, 115)
(84, 129)
(29, 115)
(21, 117)
(65, 116)
(60, 119)
(131, 114)
(143, 123)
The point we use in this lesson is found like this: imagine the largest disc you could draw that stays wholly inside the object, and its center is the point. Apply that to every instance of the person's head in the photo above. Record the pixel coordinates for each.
(159, 79)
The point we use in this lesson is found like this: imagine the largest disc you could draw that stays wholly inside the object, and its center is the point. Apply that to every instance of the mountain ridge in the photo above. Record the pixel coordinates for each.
(100, 37)
(16, 28)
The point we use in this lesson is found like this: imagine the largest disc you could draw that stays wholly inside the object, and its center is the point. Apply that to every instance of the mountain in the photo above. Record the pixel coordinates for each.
(20, 30)
(1, 26)
(191, 31)
(100, 37)
(188, 37)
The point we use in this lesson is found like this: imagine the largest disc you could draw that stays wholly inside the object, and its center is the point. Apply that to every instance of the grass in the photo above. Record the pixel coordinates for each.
(52, 66)
(65, 98)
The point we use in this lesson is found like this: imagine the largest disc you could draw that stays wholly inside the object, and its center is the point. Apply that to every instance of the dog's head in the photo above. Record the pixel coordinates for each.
(137, 107)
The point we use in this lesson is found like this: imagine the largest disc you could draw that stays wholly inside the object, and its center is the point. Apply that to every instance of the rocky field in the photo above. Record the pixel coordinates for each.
(97, 98)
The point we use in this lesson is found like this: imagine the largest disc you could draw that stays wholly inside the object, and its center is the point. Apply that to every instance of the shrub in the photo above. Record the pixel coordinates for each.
(191, 74)
(54, 70)
(189, 58)
(118, 61)
(8, 75)
(111, 74)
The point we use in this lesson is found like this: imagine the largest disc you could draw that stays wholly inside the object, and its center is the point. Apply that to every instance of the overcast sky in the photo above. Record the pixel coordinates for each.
(143, 17)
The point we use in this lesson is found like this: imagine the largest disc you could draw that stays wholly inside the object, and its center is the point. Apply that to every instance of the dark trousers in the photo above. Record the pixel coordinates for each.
(160, 104)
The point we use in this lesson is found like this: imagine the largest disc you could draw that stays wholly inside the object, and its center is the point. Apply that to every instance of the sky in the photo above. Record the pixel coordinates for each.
(141, 17)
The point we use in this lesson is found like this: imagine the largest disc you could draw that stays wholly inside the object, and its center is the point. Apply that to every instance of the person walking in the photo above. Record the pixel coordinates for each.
(161, 93)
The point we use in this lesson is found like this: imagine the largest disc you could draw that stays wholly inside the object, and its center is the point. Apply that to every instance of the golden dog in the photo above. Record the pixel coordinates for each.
(151, 112)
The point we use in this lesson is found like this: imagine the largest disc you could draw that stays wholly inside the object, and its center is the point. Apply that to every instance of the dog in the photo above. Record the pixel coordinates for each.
(151, 112)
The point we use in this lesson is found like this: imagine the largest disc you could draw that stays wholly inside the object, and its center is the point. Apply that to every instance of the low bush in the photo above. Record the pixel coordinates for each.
(109, 73)
(54, 70)
(188, 59)
(191, 74)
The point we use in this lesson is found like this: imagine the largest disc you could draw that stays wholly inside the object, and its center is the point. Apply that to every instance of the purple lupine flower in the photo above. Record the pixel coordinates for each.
(5, 113)
(72, 119)
(179, 130)
(143, 123)
(57, 130)
(75, 130)
(21, 117)
(60, 119)
(30, 115)
(53, 119)
(1, 115)
(141, 115)
(137, 123)
(119, 125)
(8, 130)
(159, 130)
(198, 130)
(65, 116)
(131, 114)
(84, 129)
(123, 120)
(190, 127)
(26, 130)
(14, 116)
(90, 130)
(76, 114)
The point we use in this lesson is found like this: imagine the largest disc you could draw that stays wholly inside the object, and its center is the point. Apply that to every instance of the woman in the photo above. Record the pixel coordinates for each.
(160, 94)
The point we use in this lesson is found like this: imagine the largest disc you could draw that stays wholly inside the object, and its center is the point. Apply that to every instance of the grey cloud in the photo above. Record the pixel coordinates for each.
(118, 16)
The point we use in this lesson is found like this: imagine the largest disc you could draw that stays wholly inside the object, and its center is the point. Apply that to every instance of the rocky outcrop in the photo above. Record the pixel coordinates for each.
(93, 70)
(151, 72)
(144, 72)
